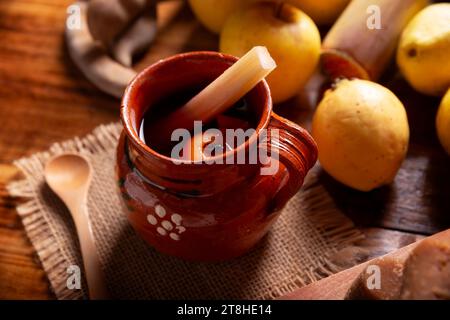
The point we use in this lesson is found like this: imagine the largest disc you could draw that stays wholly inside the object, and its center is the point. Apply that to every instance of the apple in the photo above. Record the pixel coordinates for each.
(290, 36)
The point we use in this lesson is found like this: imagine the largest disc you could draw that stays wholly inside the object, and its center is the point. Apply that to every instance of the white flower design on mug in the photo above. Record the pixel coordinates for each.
(166, 226)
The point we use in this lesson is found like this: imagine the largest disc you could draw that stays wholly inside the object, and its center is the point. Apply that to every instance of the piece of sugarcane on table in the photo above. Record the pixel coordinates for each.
(357, 47)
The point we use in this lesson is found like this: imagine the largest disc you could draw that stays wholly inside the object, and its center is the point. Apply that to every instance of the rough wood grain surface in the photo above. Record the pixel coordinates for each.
(44, 99)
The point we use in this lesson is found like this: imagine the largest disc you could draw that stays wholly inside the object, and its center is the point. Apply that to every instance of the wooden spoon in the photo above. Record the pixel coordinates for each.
(69, 176)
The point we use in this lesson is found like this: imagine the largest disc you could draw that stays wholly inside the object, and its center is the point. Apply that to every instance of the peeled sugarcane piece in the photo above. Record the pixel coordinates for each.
(93, 60)
(137, 37)
(228, 88)
(357, 47)
(233, 84)
(427, 271)
(390, 272)
(109, 18)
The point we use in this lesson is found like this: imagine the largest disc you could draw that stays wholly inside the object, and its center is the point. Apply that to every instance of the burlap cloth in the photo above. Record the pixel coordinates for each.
(297, 250)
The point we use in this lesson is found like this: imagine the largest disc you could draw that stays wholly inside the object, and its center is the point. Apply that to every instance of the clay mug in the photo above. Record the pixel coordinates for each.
(205, 212)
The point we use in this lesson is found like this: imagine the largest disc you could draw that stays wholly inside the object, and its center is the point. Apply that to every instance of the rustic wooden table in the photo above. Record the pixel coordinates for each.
(44, 99)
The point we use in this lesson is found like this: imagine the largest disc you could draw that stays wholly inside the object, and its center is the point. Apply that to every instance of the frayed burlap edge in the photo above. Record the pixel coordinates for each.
(337, 229)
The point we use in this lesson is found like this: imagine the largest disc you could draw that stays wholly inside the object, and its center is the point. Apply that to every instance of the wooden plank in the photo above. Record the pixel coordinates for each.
(377, 242)
(21, 275)
(17, 282)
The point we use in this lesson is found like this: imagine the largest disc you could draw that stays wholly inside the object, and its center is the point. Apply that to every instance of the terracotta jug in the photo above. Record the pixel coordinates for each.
(205, 212)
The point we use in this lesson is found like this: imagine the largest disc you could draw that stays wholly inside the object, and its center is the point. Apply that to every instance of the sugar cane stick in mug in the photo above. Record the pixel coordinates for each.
(220, 94)
(363, 40)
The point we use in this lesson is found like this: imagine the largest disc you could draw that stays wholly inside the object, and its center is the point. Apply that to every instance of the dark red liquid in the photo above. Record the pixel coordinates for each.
(239, 116)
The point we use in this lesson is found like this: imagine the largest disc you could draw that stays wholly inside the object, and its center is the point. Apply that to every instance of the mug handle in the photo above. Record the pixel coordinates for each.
(296, 150)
